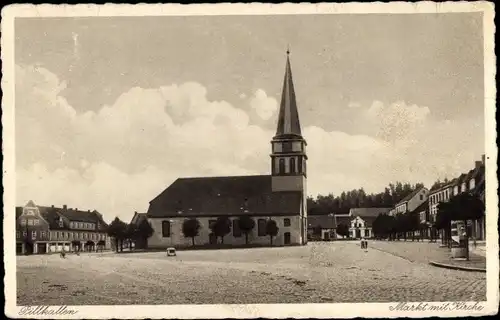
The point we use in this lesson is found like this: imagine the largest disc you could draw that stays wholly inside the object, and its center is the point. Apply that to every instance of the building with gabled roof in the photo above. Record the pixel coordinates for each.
(280, 196)
(321, 226)
(411, 201)
(41, 229)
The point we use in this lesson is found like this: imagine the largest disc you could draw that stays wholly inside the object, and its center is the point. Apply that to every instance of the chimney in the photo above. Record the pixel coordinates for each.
(76, 209)
(65, 207)
(478, 164)
(88, 210)
(52, 206)
(483, 158)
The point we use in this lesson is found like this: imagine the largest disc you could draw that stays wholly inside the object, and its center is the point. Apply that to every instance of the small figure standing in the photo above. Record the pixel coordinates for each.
(362, 243)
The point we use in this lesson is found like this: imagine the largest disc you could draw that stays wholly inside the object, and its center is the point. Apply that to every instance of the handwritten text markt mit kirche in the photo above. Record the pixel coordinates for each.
(440, 306)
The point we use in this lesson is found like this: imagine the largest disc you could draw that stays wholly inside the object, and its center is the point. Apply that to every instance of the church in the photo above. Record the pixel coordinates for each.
(279, 196)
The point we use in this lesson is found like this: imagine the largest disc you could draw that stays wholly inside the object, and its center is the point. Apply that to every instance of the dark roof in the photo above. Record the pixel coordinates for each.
(323, 221)
(343, 219)
(367, 212)
(53, 214)
(288, 118)
(214, 196)
(411, 195)
(424, 206)
(138, 217)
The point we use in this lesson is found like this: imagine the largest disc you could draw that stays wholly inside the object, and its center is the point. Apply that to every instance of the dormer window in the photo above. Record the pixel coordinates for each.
(61, 223)
(464, 186)
(472, 184)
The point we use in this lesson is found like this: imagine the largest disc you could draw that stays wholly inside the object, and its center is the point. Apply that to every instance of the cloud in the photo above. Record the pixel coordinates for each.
(118, 158)
(354, 105)
(263, 105)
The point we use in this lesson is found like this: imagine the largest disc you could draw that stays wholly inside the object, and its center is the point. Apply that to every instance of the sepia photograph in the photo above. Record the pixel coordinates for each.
(169, 160)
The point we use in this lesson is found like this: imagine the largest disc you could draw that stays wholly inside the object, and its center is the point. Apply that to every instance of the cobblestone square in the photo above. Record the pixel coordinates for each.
(318, 272)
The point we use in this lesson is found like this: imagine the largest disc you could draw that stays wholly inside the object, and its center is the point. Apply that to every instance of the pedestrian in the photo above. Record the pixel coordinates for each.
(362, 243)
(366, 244)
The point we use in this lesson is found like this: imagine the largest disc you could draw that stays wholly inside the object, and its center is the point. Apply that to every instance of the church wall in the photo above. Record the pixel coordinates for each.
(177, 238)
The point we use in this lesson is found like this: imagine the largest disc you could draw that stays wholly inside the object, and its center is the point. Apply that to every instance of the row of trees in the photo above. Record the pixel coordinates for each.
(123, 233)
(463, 207)
(399, 226)
(358, 198)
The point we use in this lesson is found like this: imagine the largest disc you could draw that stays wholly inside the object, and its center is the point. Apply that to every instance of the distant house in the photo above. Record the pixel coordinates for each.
(50, 229)
(321, 227)
(360, 221)
(411, 201)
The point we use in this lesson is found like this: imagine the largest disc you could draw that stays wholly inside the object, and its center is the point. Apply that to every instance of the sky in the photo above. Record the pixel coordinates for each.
(111, 110)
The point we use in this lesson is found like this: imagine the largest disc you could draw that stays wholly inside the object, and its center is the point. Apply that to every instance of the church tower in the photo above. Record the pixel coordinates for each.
(288, 157)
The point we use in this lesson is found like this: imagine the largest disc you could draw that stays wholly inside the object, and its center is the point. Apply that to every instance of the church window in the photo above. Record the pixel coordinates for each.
(286, 222)
(261, 226)
(165, 229)
(236, 228)
(282, 166)
(299, 162)
(292, 165)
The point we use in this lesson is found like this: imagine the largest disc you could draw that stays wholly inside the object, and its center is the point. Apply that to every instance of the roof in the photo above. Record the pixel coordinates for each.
(424, 206)
(288, 118)
(411, 195)
(52, 215)
(216, 196)
(138, 217)
(367, 212)
(323, 221)
(342, 219)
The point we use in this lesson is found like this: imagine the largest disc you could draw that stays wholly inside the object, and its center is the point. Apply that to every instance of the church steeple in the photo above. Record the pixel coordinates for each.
(288, 119)
(288, 156)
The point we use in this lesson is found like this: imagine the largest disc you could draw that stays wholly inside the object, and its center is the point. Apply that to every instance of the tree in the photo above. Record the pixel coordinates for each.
(221, 227)
(191, 228)
(117, 230)
(271, 229)
(246, 224)
(143, 232)
(343, 230)
(130, 234)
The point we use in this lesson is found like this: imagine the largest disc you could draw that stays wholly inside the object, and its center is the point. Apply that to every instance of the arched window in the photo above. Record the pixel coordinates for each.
(472, 184)
(292, 165)
(282, 166)
(165, 229)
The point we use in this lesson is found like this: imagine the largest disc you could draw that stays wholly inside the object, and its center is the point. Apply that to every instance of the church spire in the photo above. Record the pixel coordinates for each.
(288, 119)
